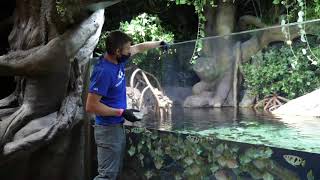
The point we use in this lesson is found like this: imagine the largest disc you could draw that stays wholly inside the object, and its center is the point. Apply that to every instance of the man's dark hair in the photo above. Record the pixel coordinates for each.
(116, 40)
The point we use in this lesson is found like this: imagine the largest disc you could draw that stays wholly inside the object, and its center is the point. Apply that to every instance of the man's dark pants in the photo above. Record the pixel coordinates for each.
(111, 141)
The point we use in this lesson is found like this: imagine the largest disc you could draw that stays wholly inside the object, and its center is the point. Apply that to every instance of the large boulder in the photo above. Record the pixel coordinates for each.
(209, 69)
(201, 100)
(307, 105)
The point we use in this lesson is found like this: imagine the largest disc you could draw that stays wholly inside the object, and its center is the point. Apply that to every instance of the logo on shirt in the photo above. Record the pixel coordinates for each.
(120, 78)
(120, 74)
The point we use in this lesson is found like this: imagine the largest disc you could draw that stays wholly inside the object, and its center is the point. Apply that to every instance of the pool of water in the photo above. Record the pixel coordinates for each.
(243, 125)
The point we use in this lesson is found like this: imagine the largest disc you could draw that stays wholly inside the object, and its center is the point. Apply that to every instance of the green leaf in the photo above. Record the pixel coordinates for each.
(148, 174)
(310, 175)
(139, 147)
(158, 163)
(188, 161)
(267, 176)
(132, 150)
(276, 2)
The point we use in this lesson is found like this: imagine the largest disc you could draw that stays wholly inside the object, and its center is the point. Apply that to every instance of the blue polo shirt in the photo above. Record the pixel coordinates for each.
(108, 80)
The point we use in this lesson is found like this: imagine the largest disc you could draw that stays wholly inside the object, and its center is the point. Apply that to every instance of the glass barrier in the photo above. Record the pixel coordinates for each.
(183, 89)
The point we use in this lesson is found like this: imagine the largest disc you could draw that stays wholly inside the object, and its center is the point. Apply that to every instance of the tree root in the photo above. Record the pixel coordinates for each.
(262, 40)
(6, 112)
(271, 103)
(14, 63)
(43, 59)
(247, 20)
(17, 134)
(9, 101)
(67, 117)
(11, 124)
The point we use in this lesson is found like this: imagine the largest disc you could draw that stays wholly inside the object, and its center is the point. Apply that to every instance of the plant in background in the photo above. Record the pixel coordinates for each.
(276, 71)
(290, 71)
(143, 28)
(66, 9)
(312, 8)
(101, 46)
(199, 9)
(299, 9)
(146, 27)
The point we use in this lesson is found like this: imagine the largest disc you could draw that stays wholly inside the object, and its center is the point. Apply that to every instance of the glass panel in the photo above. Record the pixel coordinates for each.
(194, 80)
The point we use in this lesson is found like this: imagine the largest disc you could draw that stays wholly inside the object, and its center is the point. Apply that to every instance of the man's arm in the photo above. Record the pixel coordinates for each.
(138, 48)
(94, 105)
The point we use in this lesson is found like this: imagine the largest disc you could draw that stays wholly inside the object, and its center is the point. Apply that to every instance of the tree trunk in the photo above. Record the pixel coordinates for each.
(48, 62)
(215, 68)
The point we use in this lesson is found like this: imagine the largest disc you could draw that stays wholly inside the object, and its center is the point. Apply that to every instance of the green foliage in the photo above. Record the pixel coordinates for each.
(101, 46)
(66, 9)
(311, 8)
(61, 10)
(144, 28)
(198, 5)
(199, 9)
(277, 71)
(276, 1)
(310, 175)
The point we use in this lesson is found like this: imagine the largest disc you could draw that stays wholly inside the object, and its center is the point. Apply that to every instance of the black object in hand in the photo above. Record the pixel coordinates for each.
(128, 114)
(164, 46)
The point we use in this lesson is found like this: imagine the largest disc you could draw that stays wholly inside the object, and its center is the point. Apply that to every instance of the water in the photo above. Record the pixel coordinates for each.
(244, 125)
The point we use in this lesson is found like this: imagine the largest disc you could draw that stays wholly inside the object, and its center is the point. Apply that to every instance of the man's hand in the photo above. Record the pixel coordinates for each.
(139, 48)
(164, 46)
(128, 114)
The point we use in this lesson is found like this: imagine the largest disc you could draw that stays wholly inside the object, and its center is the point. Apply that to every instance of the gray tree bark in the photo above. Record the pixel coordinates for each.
(49, 58)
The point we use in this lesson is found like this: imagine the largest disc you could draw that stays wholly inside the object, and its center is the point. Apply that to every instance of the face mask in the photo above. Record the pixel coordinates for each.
(123, 58)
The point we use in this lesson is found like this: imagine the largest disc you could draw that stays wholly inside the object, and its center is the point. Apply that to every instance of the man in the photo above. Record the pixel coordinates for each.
(107, 100)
